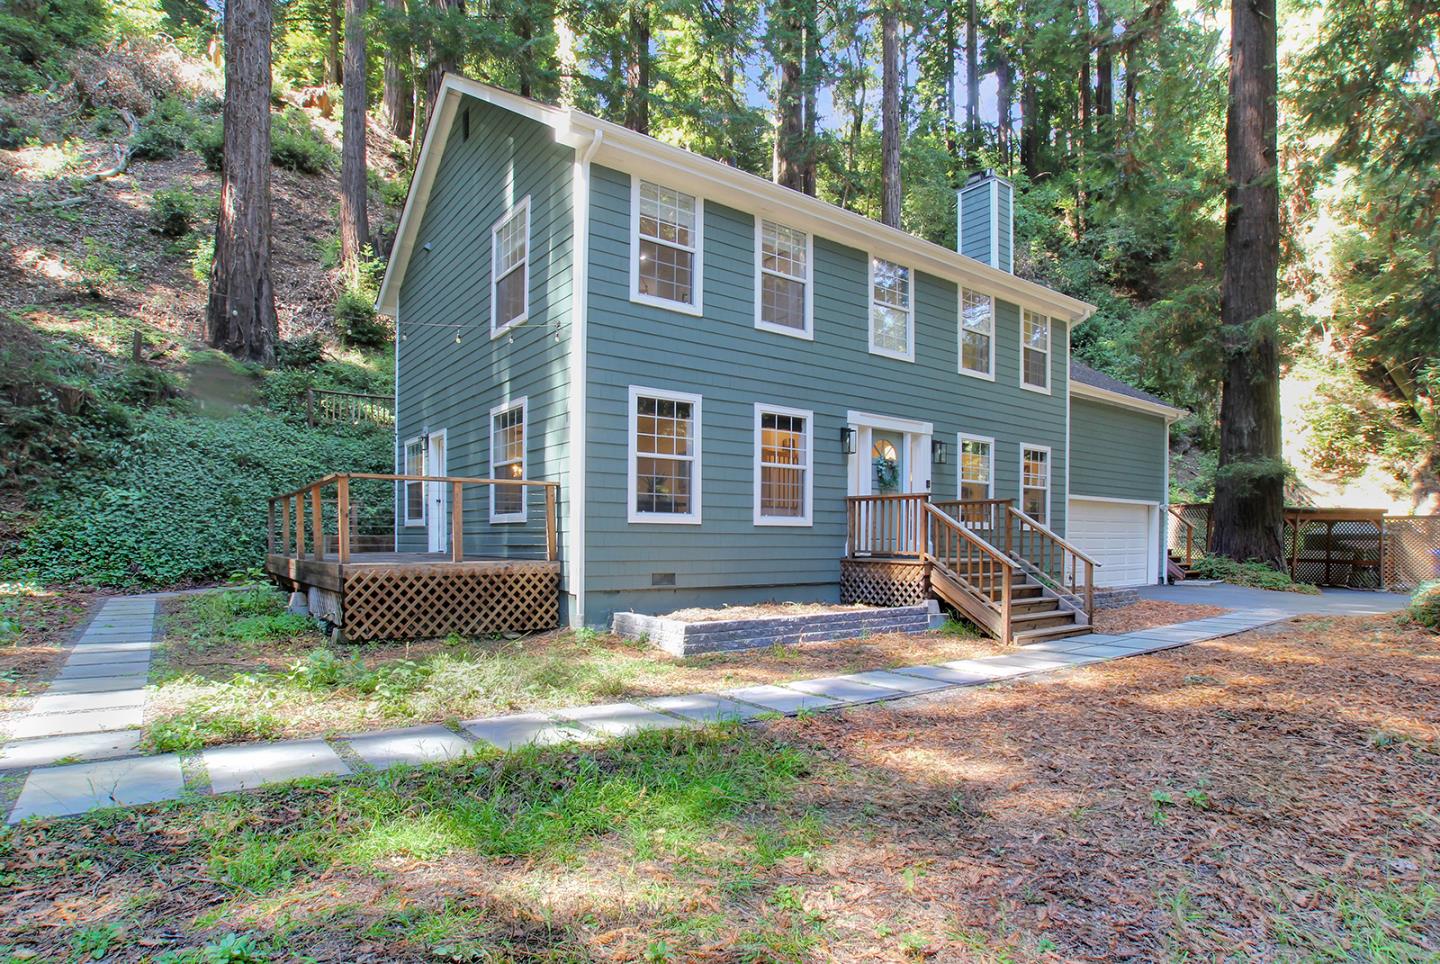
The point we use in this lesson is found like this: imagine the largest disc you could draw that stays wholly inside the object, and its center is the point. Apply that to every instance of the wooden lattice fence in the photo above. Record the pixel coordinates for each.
(409, 602)
(883, 583)
(1412, 550)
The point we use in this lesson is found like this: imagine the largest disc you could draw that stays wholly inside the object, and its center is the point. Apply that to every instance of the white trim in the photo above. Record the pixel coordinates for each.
(1168, 412)
(1067, 434)
(625, 150)
(995, 223)
(632, 515)
(917, 436)
(436, 492)
(762, 409)
(1049, 354)
(808, 332)
(960, 439)
(1080, 497)
(573, 566)
(889, 423)
(697, 252)
(410, 520)
(960, 335)
(522, 403)
(496, 329)
(1049, 480)
(398, 488)
(909, 354)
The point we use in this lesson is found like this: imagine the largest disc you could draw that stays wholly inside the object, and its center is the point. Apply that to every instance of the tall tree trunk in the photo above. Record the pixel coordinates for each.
(354, 225)
(240, 312)
(972, 81)
(1005, 109)
(1105, 71)
(890, 117)
(333, 74)
(397, 100)
(788, 161)
(1250, 482)
(1030, 127)
(637, 71)
(565, 55)
(811, 85)
(952, 139)
(1132, 92)
(525, 59)
(441, 59)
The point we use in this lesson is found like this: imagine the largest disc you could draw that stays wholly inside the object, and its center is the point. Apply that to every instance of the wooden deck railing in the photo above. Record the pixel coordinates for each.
(985, 517)
(1051, 559)
(1187, 533)
(886, 525)
(329, 405)
(955, 552)
(325, 520)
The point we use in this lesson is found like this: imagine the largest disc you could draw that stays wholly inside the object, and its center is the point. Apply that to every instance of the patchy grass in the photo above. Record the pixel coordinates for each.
(1179, 806)
(235, 667)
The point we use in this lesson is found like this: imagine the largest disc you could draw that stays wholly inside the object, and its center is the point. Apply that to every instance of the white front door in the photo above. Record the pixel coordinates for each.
(437, 518)
(892, 455)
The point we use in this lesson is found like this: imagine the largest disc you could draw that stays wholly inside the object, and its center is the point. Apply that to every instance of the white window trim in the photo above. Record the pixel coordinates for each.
(960, 339)
(1049, 481)
(762, 409)
(410, 520)
(960, 439)
(1049, 352)
(698, 277)
(496, 329)
(634, 516)
(908, 356)
(522, 403)
(808, 332)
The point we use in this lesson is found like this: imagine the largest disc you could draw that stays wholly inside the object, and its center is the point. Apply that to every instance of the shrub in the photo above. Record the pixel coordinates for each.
(1255, 575)
(165, 131)
(305, 351)
(356, 322)
(208, 140)
(202, 262)
(33, 42)
(174, 212)
(1424, 609)
(297, 146)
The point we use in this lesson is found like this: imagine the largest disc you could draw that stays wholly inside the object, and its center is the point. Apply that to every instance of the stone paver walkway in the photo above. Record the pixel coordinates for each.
(94, 707)
(75, 788)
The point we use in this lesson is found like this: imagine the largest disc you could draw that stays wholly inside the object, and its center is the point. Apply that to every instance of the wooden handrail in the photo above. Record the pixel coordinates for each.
(1049, 559)
(1189, 533)
(395, 477)
(986, 574)
(1040, 526)
(886, 525)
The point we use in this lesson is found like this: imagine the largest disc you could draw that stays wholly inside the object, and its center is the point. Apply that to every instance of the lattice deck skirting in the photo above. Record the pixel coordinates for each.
(404, 602)
(883, 582)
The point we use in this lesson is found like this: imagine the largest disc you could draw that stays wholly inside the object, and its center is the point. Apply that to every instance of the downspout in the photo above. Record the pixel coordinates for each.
(579, 379)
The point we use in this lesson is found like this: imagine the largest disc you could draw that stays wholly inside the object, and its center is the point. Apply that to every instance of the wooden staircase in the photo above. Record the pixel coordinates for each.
(1181, 556)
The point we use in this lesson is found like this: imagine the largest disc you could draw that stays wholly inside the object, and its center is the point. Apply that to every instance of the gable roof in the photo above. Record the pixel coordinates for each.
(625, 150)
(1087, 382)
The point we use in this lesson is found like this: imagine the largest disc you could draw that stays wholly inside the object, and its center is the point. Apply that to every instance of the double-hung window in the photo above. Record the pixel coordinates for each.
(1035, 482)
(783, 482)
(1034, 351)
(510, 269)
(415, 491)
(782, 302)
(977, 334)
(665, 246)
(664, 456)
(977, 476)
(507, 461)
(892, 311)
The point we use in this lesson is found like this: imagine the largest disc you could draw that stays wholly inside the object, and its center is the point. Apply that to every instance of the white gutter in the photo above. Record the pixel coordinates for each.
(1169, 412)
(579, 374)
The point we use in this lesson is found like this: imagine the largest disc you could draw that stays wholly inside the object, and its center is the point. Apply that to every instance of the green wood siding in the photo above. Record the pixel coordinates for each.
(974, 202)
(445, 385)
(724, 359)
(1118, 453)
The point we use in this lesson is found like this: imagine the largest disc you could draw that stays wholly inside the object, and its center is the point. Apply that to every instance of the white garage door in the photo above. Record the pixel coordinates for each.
(1115, 534)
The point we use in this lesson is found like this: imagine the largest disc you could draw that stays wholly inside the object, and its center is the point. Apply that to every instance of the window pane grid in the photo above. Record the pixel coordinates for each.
(783, 275)
(1034, 483)
(977, 318)
(784, 462)
(890, 307)
(664, 462)
(415, 491)
(507, 460)
(1035, 338)
(667, 215)
(783, 250)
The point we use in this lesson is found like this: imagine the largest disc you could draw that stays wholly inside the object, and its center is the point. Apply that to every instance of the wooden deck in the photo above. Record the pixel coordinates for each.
(407, 595)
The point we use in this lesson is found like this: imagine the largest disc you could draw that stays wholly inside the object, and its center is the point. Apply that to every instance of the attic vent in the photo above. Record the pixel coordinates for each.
(662, 578)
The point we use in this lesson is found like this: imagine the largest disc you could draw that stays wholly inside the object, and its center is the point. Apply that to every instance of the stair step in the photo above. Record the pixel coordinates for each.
(1053, 632)
(1043, 620)
(1037, 604)
(1026, 590)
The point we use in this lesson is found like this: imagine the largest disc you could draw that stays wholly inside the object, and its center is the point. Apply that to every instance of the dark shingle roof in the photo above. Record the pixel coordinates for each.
(1085, 375)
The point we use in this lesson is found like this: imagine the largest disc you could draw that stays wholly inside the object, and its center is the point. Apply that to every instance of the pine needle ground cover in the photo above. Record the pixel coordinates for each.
(1267, 796)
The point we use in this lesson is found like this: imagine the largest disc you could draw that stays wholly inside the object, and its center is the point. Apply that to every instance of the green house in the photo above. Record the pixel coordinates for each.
(744, 393)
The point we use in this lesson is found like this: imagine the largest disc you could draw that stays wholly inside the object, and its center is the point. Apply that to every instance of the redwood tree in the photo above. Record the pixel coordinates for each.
(240, 313)
(354, 226)
(1250, 482)
(890, 115)
(398, 98)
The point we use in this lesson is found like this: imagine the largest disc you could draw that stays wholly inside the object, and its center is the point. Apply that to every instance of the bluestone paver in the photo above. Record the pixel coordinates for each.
(985, 669)
(86, 721)
(523, 729)
(845, 689)
(125, 661)
(946, 674)
(703, 707)
(58, 791)
(112, 648)
(414, 744)
(24, 754)
(97, 684)
(73, 702)
(895, 681)
(252, 765)
(94, 670)
(619, 719)
(779, 699)
(1028, 663)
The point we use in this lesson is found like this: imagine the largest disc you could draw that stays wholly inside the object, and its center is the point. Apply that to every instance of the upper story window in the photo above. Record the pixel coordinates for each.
(1034, 351)
(507, 461)
(892, 310)
(664, 456)
(509, 269)
(977, 334)
(665, 245)
(1035, 482)
(415, 491)
(783, 483)
(783, 299)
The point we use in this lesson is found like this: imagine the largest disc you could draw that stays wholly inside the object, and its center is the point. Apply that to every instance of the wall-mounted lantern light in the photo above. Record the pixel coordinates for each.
(847, 440)
(939, 453)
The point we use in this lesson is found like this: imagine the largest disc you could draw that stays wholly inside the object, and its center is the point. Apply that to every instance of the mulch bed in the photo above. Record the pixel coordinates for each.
(1148, 613)
(33, 657)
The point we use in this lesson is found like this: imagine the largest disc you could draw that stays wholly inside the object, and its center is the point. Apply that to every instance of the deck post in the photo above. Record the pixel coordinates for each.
(552, 548)
(269, 523)
(342, 518)
(457, 523)
(1090, 590)
(1006, 572)
(310, 407)
(299, 524)
(285, 526)
(317, 523)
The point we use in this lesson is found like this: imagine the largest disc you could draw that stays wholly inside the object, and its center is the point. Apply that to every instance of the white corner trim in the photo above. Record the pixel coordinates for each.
(995, 224)
(634, 516)
(497, 329)
(573, 564)
(522, 403)
(762, 409)
(697, 251)
(808, 332)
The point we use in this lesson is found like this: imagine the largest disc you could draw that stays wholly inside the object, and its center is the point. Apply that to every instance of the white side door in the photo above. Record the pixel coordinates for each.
(437, 518)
